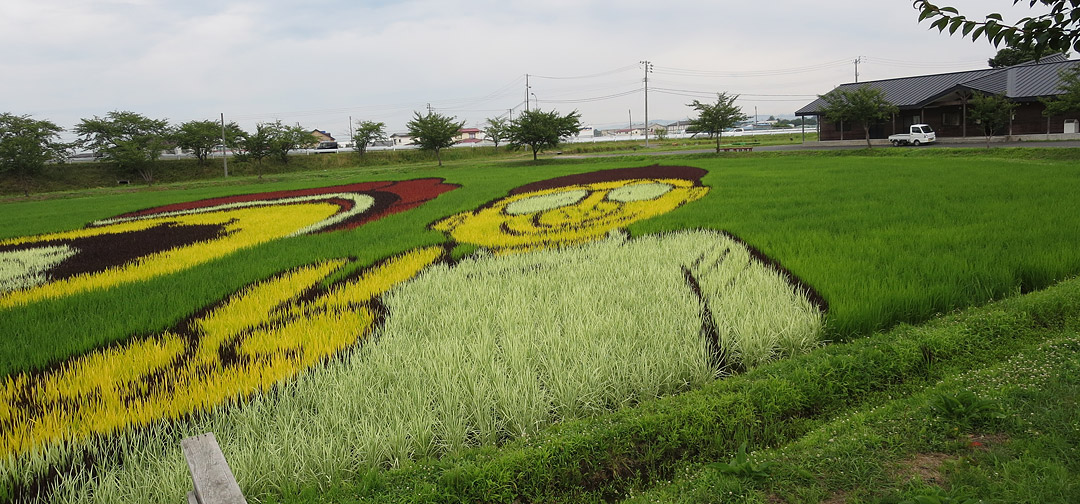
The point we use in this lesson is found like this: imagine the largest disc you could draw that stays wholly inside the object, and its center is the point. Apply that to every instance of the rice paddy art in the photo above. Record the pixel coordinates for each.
(164, 240)
(558, 315)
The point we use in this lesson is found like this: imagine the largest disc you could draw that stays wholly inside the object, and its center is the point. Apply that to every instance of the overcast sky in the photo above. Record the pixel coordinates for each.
(319, 63)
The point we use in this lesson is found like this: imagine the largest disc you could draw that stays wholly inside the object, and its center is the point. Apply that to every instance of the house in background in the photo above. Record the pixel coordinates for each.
(940, 100)
(322, 136)
(678, 127)
(398, 139)
(469, 135)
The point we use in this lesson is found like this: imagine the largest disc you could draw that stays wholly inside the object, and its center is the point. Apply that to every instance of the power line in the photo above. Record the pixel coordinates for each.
(597, 98)
(713, 93)
(685, 72)
(590, 76)
(701, 94)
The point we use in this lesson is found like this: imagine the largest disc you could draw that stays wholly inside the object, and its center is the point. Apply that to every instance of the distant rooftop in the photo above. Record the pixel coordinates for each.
(1024, 81)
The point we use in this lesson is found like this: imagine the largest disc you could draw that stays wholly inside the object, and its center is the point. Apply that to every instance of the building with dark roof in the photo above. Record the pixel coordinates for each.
(322, 136)
(941, 101)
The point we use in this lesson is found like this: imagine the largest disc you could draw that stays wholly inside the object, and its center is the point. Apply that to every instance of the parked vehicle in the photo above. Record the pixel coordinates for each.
(919, 134)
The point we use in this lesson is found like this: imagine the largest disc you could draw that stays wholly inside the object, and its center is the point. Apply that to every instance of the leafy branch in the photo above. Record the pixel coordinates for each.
(1055, 31)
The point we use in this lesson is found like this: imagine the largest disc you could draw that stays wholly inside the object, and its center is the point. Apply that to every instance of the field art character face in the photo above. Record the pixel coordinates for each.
(575, 209)
(268, 332)
(168, 239)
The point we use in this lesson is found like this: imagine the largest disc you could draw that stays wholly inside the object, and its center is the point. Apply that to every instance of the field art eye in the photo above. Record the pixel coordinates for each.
(639, 192)
(545, 202)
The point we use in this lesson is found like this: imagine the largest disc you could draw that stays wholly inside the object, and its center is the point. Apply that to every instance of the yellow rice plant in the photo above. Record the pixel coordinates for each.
(269, 332)
(243, 228)
(564, 216)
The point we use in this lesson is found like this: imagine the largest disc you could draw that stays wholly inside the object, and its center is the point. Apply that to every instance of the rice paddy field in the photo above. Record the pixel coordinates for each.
(818, 327)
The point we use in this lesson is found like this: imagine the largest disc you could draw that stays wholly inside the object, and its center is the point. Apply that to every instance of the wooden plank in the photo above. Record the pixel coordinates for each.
(213, 480)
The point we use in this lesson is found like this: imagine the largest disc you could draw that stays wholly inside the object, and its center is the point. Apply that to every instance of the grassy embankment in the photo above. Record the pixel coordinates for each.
(986, 229)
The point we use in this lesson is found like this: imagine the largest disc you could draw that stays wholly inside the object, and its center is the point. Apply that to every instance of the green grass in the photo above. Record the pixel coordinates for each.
(886, 237)
(1023, 449)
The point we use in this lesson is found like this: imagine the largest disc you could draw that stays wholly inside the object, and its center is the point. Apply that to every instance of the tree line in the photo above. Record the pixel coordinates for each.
(134, 142)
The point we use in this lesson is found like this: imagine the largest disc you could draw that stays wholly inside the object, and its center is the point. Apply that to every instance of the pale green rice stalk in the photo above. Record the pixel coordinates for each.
(490, 349)
(22, 269)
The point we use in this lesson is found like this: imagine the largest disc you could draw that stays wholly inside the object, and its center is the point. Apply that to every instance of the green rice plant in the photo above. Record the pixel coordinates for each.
(883, 238)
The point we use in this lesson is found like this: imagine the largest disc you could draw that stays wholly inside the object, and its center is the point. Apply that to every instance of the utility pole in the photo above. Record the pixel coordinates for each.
(526, 92)
(429, 109)
(351, 141)
(857, 61)
(224, 158)
(648, 70)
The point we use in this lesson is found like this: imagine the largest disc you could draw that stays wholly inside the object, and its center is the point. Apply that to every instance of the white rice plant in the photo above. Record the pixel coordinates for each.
(490, 349)
(25, 268)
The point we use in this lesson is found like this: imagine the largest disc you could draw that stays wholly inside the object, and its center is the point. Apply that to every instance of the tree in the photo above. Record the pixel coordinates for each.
(434, 131)
(201, 137)
(1055, 31)
(1069, 101)
(992, 112)
(133, 141)
(283, 139)
(367, 132)
(864, 104)
(496, 130)
(714, 118)
(256, 145)
(540, 130)
(1009, 56)
(26, 145)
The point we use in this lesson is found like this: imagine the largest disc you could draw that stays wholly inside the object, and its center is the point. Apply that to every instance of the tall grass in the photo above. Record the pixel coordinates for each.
(492, 349)
(898, 239)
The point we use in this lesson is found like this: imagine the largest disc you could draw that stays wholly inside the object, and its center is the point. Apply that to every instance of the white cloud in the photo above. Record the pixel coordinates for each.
(319, 63)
